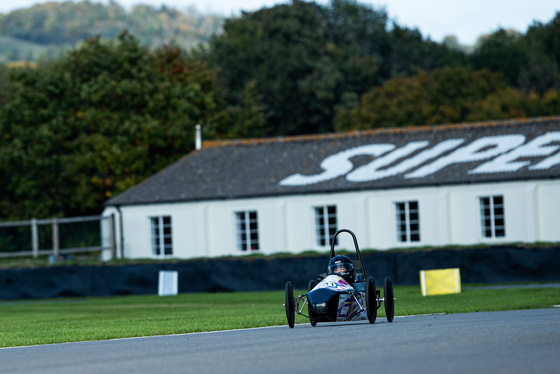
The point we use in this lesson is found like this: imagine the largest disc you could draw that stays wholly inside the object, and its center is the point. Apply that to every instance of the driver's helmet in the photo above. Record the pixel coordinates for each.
(341, 266)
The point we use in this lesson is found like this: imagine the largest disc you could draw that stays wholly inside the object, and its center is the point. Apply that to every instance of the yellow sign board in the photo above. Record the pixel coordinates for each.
(440, 282)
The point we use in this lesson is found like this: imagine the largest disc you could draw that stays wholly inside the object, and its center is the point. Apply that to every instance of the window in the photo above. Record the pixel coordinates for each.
(492, 218)
(408, 221)
(325, 225)
(247, 231)
(162, 243)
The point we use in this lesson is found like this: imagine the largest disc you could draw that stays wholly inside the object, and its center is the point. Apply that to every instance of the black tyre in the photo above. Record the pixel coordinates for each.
(312, 320)
(310, 286)
(389, 299)
(371, 300)
(290, 305)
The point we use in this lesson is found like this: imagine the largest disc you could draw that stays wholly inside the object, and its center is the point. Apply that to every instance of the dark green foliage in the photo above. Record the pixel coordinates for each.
(282, 51)
(542, 41)
(77, 235)
(410, 53)
(501, 52)
(445, 95)
(308, 61)
(77, 130)
(530, 62)
(15, 239)
(87, 124)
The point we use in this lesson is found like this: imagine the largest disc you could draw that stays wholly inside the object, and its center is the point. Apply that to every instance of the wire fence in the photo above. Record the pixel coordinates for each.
(57, 236)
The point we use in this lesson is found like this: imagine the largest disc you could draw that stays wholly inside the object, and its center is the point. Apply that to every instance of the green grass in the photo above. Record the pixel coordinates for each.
(69, 320)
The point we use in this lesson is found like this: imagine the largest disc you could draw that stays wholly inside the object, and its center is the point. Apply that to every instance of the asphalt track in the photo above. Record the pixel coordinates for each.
(525, 341)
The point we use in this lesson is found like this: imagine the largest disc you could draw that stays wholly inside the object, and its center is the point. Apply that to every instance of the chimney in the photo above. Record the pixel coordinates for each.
(197, 137)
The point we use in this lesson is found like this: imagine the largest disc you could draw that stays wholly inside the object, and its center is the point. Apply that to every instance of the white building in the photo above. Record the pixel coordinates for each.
(490, 182)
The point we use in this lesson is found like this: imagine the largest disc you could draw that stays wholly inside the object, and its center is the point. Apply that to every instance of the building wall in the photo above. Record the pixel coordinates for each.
(449, 215)
(548, 211)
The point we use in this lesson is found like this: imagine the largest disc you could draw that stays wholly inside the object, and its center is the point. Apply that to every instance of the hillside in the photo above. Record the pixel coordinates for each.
(44, 31)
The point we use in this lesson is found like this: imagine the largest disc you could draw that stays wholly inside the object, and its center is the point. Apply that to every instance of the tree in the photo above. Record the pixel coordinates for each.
(410, 53)
(358, 34)
(501, 52)
(442, 96)
(284, 50)
(77, 130)
(542, 43)
(307, 61)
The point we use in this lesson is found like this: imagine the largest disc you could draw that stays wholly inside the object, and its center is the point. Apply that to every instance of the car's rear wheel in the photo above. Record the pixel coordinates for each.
(310, 286)
(290, 305)
(389, 299)
(371, 300)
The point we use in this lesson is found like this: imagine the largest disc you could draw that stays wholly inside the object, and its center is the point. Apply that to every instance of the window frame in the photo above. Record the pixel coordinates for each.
(407, 221)
(247, 231)
(325, 229)
(492, 217)
(161, 236)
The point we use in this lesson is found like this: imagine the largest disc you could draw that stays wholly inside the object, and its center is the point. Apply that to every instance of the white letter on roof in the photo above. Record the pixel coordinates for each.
(371, 171)
(536, 147)
(337, 164)
(480, 149)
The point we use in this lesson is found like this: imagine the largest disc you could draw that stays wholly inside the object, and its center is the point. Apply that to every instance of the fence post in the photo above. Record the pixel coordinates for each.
(56, 243)
(35, 237)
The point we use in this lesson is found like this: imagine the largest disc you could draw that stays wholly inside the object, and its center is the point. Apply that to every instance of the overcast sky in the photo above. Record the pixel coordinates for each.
(466, 19)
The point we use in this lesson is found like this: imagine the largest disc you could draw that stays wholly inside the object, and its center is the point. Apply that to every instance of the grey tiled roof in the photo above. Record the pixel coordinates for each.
(256, 167)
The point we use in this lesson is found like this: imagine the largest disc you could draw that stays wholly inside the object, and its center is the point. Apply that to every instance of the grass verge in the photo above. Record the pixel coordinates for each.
(70, 320)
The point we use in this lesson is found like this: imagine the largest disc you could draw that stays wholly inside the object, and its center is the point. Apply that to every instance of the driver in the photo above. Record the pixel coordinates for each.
(342, 266)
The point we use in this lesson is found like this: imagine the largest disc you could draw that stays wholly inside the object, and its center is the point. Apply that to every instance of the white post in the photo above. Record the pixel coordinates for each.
(168, 283)
(56, 243)
(34, 237)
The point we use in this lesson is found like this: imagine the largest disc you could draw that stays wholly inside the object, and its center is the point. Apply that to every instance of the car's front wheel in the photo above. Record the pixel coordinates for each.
(371, 300)
(290, 305)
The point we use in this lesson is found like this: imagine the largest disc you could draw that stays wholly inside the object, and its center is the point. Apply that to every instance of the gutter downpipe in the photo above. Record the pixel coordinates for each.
(121, 232)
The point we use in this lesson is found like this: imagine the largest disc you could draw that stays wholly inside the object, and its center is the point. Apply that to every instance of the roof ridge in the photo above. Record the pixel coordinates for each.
(382, 130)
